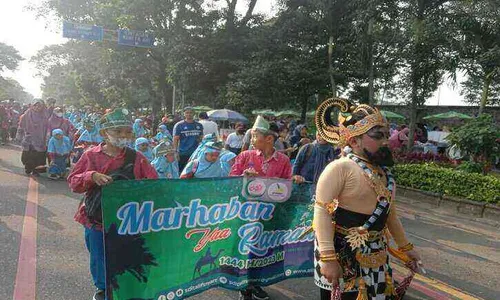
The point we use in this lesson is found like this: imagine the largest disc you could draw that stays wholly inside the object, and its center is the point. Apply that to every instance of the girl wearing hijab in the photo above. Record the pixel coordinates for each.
(164, 163)
(90, 134)
(226, 160)
(207, 165)
(32, 132)
(138, 128)
(57, 121)
(163, 134)
(142, 145)
(59, 149)
(206, 139)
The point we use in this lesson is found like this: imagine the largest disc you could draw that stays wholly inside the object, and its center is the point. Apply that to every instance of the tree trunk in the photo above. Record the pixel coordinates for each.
(371, 75)
(304, 109)
(330, 66)
(484, 95)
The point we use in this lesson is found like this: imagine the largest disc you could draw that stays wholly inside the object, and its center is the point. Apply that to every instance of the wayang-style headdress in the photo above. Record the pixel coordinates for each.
(339, 132)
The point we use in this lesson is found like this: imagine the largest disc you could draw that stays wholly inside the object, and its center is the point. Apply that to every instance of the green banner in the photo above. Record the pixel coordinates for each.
(171, 239)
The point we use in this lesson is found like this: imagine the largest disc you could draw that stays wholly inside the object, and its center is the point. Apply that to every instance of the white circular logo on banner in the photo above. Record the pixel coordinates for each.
(288, 272)
(277, 191)
(223, 280)
(162, 297)
(179, 292)
(256, 188)
(171, 296)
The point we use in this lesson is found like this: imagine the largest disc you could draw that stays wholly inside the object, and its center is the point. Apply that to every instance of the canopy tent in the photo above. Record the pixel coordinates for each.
(448, 115)
(392, 115)
(287, 113)
(227, 115)
(202, 108)
(264, 112)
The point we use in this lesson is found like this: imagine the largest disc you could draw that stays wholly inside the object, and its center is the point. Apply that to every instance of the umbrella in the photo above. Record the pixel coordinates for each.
(287, 113)
(226, 115)
(202, 108)
(448, 115)
(391, 115)
(264, 112)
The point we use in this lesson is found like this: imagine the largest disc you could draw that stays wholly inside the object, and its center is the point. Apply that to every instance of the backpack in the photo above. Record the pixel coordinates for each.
(92, 199)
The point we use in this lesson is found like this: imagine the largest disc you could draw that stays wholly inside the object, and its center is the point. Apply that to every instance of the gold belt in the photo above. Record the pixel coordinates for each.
(372, 260)
(372, 235)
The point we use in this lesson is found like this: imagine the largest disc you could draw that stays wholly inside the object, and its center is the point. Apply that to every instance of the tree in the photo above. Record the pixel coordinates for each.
(12, 89)
(9, 57)
(478, 28)
(426, 52)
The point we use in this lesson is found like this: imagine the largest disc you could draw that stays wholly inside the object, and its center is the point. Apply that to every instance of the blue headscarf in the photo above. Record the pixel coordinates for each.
(163, 167)
(62, 146)
(206, 139)
(163, 134)
(225, 158)
(92, 136)
(205, 169)
(148, 153)
(138, 129)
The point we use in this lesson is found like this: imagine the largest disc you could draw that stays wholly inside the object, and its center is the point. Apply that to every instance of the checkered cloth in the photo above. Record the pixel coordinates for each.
(374, 277)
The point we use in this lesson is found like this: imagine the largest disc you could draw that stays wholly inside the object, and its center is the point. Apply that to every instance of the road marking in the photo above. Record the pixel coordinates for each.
(25, 284)
(436, 284)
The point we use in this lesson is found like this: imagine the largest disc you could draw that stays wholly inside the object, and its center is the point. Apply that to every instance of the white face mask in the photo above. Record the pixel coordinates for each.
(59, 115)
(119, 142)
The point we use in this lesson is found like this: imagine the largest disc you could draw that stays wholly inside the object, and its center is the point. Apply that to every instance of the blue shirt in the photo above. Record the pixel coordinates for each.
(189, 134)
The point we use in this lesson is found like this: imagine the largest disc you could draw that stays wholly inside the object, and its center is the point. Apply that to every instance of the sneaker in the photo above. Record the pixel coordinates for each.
(259, 294)
(54, 176)
(99, 295)
(246, 294)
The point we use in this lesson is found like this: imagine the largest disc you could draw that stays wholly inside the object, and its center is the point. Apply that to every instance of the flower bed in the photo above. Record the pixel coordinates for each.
(450, 182)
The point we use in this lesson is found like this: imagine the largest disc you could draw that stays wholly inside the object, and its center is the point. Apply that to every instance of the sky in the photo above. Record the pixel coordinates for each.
(21, 29)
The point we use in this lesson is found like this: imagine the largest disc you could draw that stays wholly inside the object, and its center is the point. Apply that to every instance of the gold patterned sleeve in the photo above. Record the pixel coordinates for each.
(329, 187)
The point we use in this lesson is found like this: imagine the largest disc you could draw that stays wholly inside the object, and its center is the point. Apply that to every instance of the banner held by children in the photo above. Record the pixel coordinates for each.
(171, 239)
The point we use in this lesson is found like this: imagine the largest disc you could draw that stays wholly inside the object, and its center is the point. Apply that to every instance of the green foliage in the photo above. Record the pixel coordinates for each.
(449, 182)
(478, 137)
(471, 167)
(9, 57)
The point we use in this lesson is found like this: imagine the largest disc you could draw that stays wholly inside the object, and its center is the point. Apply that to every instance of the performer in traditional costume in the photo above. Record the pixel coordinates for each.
(354, 208)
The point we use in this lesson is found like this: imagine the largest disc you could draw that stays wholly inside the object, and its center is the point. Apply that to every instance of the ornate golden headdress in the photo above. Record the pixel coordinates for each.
(340, 133)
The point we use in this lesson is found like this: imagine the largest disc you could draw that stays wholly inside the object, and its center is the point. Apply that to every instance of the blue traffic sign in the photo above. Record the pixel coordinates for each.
(82, 32)
(135, 38)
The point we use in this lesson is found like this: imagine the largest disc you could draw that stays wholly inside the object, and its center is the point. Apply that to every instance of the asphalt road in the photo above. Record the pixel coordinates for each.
(36, 217)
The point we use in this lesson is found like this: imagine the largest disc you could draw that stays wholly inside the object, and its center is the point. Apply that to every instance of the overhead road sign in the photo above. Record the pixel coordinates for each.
(82, 31)
(135, 38)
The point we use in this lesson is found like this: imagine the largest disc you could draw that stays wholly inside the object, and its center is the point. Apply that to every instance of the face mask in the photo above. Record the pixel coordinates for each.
(119, 142)
(383, 157)
(59, 115)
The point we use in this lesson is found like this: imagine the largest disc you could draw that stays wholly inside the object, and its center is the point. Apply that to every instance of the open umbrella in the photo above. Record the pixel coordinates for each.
(202, 108)
(391, 115)
(448, 115)
(226, 115)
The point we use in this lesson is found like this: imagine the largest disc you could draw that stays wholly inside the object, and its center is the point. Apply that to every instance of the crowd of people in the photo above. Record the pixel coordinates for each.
(106, 145)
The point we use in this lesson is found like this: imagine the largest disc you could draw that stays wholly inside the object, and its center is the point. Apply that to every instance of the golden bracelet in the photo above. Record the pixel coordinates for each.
(407, 247)
(329, 257)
